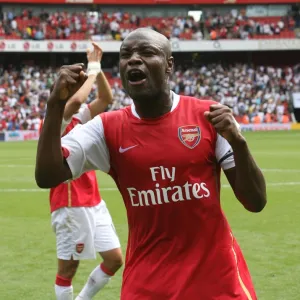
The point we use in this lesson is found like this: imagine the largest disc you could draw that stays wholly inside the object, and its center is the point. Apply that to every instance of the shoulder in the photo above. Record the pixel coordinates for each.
(202, 104)
(116, 115)
(194, 108)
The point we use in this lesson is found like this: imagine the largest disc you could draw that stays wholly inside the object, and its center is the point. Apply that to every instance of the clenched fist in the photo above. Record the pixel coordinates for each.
(222, 119)
(70, 79)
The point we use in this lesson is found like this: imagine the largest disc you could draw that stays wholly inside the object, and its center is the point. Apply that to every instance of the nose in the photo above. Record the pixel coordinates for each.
(135, 59)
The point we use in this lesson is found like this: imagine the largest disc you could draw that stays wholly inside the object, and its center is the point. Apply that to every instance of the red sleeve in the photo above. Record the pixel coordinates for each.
(41, 126)
(66, 152)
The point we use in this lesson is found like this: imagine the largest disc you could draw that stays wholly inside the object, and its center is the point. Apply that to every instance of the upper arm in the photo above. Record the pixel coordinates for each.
(225, 158)
(67, 174)
(85, 148)
(231, 176)
(224, 153)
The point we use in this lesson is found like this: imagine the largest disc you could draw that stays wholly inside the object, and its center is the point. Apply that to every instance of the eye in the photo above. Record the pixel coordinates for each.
(125, 55)
(148, 53)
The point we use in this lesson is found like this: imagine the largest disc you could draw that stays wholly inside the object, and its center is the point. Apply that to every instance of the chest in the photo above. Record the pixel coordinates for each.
(178, 143)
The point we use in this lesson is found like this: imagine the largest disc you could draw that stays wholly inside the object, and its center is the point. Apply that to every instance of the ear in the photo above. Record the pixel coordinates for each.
(170, 64)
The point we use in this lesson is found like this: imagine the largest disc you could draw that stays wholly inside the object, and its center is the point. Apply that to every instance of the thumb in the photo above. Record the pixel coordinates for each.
(206, 115)
(64, 94)
(63, 90)
(82, 77)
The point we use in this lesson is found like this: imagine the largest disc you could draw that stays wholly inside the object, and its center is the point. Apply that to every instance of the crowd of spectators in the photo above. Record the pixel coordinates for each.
(256, 94)
(236, 25)
(116, 26)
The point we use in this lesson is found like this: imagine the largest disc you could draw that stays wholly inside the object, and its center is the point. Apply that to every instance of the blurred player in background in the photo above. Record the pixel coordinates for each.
(165, 153)
(80, 218)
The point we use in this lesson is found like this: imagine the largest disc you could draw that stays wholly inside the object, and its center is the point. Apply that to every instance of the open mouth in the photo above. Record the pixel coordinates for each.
(136, 77)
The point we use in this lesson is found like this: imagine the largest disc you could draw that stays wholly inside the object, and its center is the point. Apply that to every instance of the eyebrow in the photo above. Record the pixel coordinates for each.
(142, 47)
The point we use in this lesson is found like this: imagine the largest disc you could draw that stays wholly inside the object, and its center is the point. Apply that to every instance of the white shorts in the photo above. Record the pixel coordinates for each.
(83, 231)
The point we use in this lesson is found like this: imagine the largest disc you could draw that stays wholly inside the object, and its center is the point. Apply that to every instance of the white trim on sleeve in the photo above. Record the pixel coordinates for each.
(224, 153)
(87, 148)
(84, 114)
(64, 125)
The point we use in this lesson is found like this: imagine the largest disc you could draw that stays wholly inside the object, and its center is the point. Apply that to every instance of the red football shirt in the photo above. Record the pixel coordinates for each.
(180, 245)
(84, 190)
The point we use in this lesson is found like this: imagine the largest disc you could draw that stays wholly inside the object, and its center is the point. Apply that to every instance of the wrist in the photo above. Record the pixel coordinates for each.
(92, 75)
(93, 68)
(55, 103)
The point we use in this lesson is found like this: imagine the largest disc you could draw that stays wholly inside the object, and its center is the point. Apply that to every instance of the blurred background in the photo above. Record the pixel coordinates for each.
(243, 53)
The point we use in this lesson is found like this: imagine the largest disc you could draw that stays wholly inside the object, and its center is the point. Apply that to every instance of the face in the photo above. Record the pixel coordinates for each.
(144, 66)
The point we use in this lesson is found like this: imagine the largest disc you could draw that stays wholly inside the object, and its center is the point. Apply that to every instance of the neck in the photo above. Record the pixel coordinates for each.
(154, 107)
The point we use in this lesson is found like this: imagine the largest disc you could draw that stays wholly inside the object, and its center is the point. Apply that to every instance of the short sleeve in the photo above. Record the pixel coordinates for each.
(224, 153)
(84, 114)
(82, 117)
(85, 148)
(64, 125)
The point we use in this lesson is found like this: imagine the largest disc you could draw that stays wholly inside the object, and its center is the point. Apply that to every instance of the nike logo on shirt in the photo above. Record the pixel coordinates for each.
(122, 150)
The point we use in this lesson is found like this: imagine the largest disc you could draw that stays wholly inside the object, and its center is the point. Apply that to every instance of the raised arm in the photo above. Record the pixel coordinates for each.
(93, 71)
(245, 178)
(51, 168)
(105, 96)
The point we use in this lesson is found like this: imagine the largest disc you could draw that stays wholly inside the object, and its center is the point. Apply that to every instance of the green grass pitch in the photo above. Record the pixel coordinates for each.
(270, 240)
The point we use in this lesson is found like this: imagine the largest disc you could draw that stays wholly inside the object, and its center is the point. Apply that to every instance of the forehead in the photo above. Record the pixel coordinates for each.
(138, 41)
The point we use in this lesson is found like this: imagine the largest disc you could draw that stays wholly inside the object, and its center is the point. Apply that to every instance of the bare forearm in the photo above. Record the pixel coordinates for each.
(50, 167)
(79, 98)
(104, 90)
(104, 98)
(250, 186)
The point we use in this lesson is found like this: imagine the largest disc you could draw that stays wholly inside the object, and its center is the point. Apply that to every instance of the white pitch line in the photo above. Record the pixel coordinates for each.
(272, 184)
(16, 166)
(115, 189)
(282, 170)
(264, 169)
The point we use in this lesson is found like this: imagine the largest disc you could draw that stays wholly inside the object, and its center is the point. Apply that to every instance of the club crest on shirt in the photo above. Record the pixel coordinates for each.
(189, 135)
(79, 248)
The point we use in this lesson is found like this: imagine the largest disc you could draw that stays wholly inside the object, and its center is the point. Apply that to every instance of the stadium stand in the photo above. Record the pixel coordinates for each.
(258, 92)
(82, 25)
(256, 95)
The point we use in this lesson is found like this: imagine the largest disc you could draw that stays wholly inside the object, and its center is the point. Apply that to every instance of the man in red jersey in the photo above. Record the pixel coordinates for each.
(165, 153)
(80, 219)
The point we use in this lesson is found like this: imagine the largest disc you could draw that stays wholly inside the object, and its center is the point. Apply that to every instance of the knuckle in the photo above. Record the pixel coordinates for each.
(63, 73)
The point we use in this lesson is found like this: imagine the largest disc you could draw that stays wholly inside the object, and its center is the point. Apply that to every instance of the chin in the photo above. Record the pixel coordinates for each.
(143, 97)
(141, 94)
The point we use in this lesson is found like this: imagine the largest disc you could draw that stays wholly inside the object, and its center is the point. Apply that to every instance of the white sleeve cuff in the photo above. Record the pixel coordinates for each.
(86, 148)
(84, 114)
(64, 125)
(224, 153)
(228, 161)
(76, 157)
